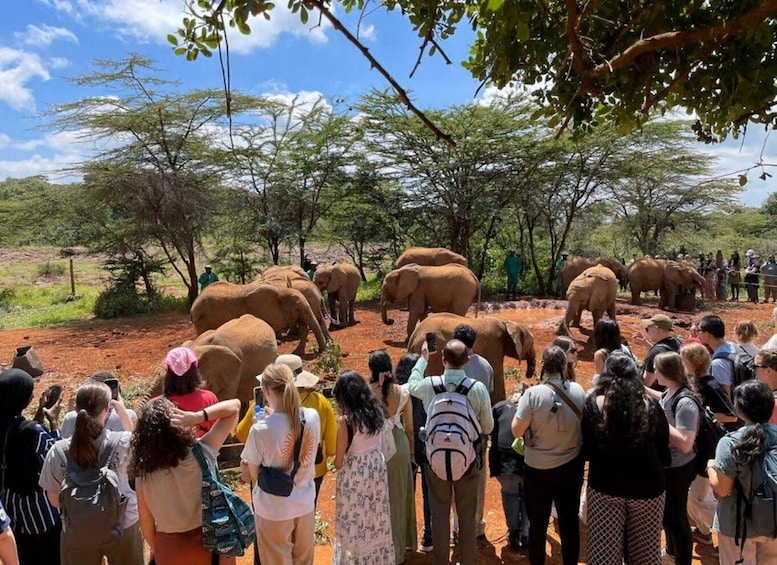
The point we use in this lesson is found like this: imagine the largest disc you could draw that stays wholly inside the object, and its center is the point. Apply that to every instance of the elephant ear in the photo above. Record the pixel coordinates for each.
(409, 276)
(513, 340)
(336, 276)
(220, 370)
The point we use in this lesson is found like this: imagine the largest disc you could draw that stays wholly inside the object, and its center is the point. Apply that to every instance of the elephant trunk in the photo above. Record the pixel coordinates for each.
(317, 331)
(531, 360)
(563, 328)
(384, 304)
(156, 389)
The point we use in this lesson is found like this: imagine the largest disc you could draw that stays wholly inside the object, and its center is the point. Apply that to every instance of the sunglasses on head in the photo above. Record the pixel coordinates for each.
(757, 366)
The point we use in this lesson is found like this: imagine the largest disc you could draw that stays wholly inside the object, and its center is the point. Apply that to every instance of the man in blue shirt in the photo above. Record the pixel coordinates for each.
(712, 332)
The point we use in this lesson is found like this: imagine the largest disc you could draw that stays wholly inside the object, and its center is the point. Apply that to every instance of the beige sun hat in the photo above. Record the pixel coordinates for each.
(302, 378)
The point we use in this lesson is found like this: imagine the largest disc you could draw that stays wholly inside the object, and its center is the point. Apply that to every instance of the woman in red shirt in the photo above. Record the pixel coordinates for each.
(182, 385)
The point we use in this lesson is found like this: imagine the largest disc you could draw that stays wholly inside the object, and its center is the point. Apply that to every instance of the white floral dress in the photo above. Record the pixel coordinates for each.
(362, 513)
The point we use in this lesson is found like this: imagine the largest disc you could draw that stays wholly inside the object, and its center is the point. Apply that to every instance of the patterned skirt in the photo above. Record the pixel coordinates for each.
(362, 512)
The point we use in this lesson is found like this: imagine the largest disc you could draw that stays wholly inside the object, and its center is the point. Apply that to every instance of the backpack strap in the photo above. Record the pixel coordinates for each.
(298, 443)
(104, 457)
(568, 401)
(438, 384)
(200, 457)
(465, 386)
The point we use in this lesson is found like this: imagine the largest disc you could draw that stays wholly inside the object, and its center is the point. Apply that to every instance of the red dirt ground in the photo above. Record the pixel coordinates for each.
(133, 348)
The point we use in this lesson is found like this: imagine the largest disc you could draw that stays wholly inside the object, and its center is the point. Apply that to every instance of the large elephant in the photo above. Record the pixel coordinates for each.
(280, 307)
(448, 288)
(290, 278)
(230, 357)
(577, 265)
(670, 277)
(429, 257)
(285, 270)
(341, 282)
(496, 339)
(594, 289)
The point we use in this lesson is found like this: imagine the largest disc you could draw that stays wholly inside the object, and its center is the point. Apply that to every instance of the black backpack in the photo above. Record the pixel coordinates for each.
(743, 366)
(709, 432)
(19, 463)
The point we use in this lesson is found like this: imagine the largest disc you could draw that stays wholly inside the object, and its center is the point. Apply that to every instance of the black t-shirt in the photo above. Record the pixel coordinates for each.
(502, 458)
(635, 471)
(670, 343)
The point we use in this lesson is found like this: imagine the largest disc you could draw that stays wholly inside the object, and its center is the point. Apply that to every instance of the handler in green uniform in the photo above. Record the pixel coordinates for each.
(206, 278)
(512, 266)
(559, 265)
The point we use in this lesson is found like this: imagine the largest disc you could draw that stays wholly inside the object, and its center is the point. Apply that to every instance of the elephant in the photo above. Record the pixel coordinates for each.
(448, 288)
(279, 307)
(670, 277)
(286, 277)
(230, 357)
(429, 257)
(577, 265)
(285, 270)
(341, 282)
(496, 339)
(594, 289)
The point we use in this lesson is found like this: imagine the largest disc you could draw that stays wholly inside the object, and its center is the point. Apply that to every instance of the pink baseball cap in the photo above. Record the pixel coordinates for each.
(180, 359)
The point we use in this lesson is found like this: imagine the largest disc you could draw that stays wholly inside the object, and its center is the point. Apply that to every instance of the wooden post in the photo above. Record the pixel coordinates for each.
(72, 279)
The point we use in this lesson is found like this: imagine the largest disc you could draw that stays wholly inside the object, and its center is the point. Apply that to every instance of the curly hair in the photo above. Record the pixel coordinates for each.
(157, 443)
(625, 420)
(405, 367)
(754, 401)
(357, 403)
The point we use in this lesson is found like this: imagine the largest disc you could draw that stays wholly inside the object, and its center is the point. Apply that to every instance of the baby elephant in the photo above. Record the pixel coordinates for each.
(594, 289)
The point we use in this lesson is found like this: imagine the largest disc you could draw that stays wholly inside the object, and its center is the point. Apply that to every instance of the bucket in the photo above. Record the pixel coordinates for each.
(27, 360)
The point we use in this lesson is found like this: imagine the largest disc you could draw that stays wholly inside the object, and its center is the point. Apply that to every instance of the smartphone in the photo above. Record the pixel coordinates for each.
(113, 384)
(55, 392)
(431, 341)
(328, 391)
(258, 396)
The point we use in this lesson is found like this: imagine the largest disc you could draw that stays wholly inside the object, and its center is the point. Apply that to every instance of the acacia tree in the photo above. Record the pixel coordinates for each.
(591, 62)
(291, 156)
(662, 187)
(153, 162)
(456, 193)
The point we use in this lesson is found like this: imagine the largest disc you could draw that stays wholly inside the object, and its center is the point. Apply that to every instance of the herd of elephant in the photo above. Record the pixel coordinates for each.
(237, 325)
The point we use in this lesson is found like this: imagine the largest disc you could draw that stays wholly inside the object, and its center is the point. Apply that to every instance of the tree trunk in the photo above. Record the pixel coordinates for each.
(302, 252)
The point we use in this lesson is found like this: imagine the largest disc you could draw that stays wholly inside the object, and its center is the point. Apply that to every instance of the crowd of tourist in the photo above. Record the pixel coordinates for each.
(110, 481)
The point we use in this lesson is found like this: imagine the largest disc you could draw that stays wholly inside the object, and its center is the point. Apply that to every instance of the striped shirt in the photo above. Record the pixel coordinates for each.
(32, 513)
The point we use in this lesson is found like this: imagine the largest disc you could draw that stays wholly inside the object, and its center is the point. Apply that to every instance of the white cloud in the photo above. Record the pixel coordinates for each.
(368, 33)
(17, 69)
(44, 35)
(152, 20)
(4, 140)
(56, 154)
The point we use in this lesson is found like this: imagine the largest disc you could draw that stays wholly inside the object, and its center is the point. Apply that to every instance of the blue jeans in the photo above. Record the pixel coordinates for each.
(514, 503)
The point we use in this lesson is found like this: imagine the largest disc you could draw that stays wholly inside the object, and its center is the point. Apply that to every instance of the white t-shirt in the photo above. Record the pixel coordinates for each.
(113, 423)
(270, 444)
(772, 343)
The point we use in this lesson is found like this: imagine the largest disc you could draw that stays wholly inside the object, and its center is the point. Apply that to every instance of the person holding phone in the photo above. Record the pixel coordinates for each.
(24, 445)
(114, 422)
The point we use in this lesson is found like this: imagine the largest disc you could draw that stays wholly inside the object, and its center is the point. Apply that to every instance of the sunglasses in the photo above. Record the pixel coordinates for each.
(572, 351)
(757, 366)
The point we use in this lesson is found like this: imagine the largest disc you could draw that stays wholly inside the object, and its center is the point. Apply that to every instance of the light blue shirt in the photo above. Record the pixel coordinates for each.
(478, 396)
(722, 370)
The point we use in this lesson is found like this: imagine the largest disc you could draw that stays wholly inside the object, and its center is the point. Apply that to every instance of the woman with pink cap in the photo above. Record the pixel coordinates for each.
(182, 385)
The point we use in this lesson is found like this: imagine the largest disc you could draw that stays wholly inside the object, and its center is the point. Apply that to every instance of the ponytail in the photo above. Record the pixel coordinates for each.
(92, 399)
(291, 408)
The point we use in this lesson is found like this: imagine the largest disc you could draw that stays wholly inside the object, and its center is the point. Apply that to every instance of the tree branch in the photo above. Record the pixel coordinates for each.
(677, 39)
(403, 96)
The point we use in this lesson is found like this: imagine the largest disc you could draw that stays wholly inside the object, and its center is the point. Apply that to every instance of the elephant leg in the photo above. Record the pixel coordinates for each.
(303, 339)
(611, 311)
(343, 300)
(332, 300)
(578, 312)
(416, 309)
(636, 299)
(671, 297)
(351, 317)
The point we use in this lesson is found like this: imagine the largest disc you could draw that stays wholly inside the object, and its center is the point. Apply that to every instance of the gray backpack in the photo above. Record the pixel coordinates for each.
(90, 502)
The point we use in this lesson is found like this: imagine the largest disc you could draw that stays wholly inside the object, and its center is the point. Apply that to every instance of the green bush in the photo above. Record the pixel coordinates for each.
(49, 269)
(121, 301)
(6, 296)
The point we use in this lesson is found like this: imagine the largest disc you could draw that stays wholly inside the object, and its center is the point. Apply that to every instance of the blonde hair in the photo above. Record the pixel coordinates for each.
(697, 357)
(670, 365)
(746, 331)
(278, 378)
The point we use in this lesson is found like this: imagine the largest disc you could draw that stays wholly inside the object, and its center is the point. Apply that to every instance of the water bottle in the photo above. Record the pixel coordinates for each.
(259, 413)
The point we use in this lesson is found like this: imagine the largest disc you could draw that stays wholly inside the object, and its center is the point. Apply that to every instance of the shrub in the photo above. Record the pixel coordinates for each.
(6, 296)
(49, 269)
(121, 301)
(330, 362)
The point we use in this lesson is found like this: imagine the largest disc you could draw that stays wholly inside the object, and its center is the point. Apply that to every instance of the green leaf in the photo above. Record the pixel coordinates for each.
(180, 51)
(742, 180)
(495, 5)
(172, 39)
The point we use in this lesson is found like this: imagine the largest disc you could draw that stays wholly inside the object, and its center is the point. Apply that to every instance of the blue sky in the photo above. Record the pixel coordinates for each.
(43, 42)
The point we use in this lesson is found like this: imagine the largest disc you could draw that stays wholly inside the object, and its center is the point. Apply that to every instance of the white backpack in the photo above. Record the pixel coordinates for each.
(452, 431)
